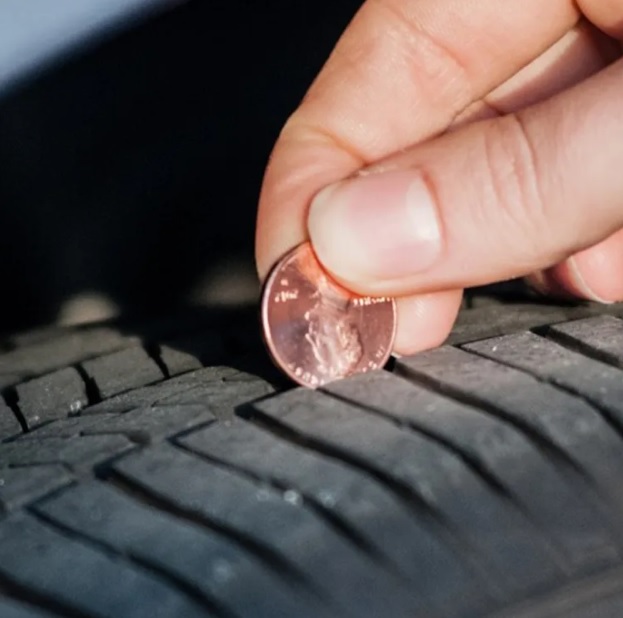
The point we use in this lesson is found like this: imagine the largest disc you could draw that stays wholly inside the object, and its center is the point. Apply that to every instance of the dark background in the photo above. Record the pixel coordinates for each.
(133, 168)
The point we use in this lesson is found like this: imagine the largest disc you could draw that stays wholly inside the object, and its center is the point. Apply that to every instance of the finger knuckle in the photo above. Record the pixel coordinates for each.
(435, 64)
(513, 173)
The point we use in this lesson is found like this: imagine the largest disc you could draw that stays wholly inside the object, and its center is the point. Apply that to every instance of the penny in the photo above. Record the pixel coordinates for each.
(317, 331)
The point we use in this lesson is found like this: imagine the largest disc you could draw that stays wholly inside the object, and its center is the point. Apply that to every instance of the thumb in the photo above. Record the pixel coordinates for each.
(491, 201)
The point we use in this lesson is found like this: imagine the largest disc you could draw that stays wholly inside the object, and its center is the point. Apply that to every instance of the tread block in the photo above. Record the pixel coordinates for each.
(219, 568)
(36, 557)
(122, 371)
(19, 486)
(177, 361)
(68, 427)
(598, 382)
(501, 319)
(566, 422)
(86, 451)
(73, 347)
(144, 397)
(363, 504)
(601, 336)
(504, 453)
(52, 396)
(143, 425)
(221, 398)
(9, 425)
(217, 373)
(242, 370)
(153, 395)
(432, 473)
(280, 521)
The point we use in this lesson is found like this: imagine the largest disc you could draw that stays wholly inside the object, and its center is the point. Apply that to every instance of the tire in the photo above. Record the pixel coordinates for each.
(164, 468)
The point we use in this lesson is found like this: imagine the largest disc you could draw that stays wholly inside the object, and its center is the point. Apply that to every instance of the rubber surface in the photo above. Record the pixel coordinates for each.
(166, 469)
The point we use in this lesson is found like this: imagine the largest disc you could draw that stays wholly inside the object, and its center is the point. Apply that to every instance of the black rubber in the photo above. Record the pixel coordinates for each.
(167, 469)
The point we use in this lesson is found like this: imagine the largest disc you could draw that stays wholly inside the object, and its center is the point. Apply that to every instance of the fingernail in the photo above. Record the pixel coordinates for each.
(378, 227)
(581, 285)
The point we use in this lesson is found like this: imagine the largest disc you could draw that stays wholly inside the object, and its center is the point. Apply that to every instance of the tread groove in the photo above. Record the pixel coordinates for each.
(603, 412)
(429, 505)
(416, 504)
(569, 342)
(166, 576)
(333, 520)
(433, 518)
(546, 446)
(154, 351)
(11, 398)
(270, 559)
(36, 599)
(549, 449)
(92, 390)
(472, 463)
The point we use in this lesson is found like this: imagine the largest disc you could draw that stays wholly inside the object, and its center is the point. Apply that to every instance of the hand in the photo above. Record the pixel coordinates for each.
(480, 141)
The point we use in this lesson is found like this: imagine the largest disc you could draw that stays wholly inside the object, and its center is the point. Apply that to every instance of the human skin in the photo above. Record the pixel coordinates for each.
(453, 143)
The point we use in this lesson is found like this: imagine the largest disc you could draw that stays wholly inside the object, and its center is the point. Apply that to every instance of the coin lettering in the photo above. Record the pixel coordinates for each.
(285, 295)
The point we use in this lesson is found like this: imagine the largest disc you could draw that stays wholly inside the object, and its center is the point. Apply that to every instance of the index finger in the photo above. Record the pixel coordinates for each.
(401, 73)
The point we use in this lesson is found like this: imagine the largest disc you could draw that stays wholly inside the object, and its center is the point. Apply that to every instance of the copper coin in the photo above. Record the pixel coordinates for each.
(316, 330)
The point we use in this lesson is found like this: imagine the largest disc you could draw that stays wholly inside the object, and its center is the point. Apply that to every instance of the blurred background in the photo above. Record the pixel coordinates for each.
(132, 147)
